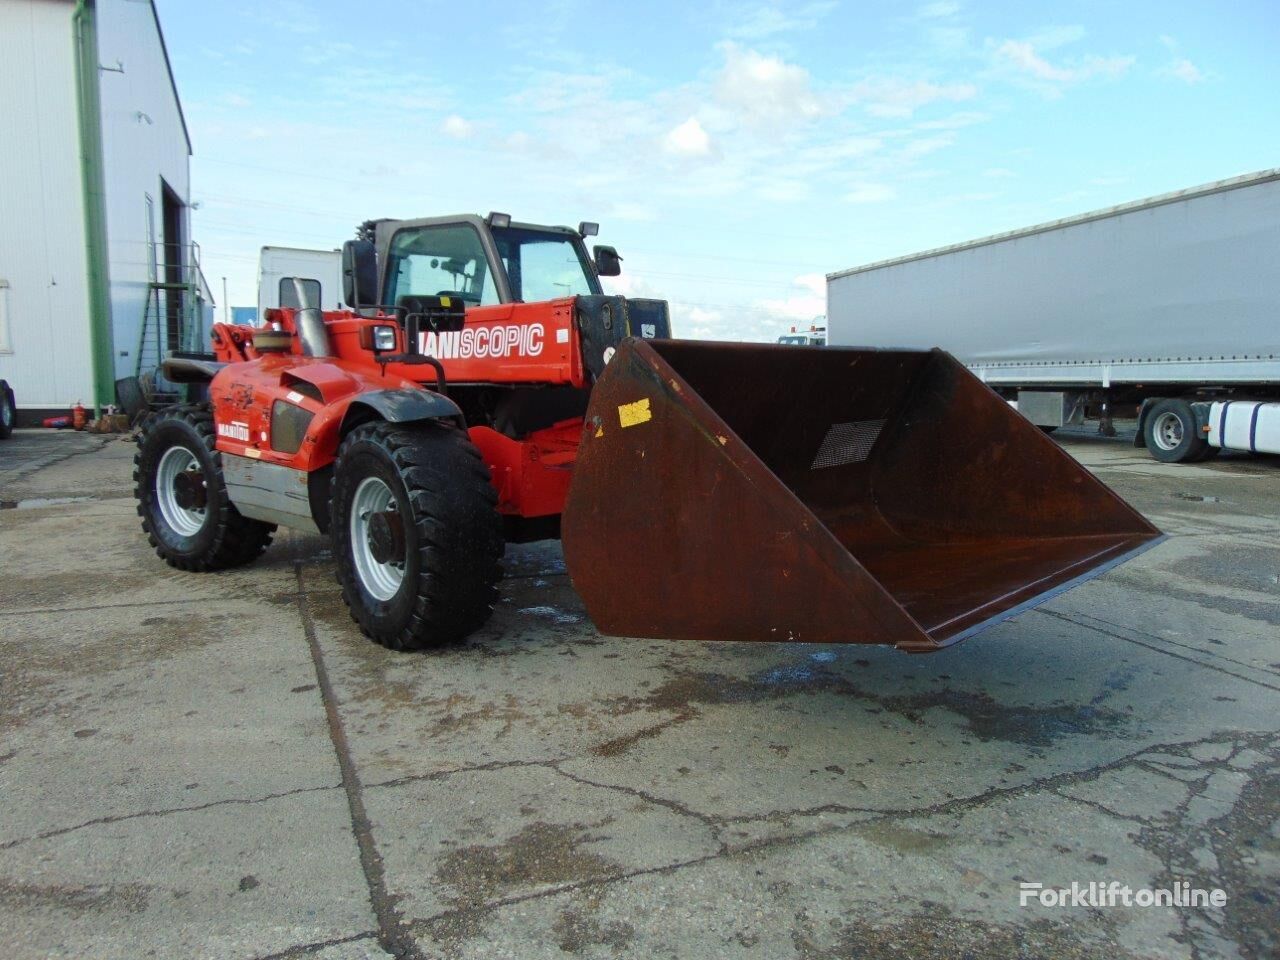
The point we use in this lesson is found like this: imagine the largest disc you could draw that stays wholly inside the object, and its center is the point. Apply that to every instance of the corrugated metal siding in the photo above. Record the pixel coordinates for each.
(143, 143)
(41, 209)
(1190, 280)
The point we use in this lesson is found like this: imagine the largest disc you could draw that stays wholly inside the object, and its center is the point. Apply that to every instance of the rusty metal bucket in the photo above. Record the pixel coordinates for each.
(759, 492)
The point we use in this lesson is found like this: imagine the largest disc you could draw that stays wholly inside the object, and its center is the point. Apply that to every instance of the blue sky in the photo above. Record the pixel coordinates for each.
(734, 152)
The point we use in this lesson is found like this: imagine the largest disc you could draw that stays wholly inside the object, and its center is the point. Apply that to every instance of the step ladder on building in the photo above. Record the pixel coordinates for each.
(172, 322)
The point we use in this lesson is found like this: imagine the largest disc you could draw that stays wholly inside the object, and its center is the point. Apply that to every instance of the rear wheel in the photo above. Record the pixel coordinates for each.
(1172, 434)
(417, 536)
(8, 410)
(182, 497)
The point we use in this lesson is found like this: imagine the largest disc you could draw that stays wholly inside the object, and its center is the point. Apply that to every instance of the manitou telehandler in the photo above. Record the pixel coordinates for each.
(481, 388)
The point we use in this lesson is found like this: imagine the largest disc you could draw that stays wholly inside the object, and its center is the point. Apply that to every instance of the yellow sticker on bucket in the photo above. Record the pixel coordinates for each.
(631, 414)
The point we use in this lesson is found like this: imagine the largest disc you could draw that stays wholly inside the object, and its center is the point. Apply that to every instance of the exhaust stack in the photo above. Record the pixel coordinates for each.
(311, 329)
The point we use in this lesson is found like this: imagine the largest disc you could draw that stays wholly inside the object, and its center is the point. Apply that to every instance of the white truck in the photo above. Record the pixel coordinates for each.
(815, 336)
(1168, 307)
(319, 270)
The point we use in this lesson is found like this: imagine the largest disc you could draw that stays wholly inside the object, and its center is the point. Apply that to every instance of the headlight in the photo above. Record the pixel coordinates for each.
(378, 338)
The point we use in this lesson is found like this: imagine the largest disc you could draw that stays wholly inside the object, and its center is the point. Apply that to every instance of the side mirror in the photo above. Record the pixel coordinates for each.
(608, 263)
(359, 274)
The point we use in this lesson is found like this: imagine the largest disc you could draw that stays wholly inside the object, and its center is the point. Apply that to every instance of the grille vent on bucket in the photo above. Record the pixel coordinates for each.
(847, 443)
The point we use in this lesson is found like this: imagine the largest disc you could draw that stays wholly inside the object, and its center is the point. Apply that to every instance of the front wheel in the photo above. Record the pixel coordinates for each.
(182, 497)
(417, 536)
(1172, 434)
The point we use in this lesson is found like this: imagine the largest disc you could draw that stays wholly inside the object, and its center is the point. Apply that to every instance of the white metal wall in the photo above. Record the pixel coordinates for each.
(1173, 285)
(143, 143)
(42, 254)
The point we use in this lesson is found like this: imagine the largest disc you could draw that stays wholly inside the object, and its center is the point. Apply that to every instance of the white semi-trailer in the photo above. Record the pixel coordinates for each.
(1169, 306)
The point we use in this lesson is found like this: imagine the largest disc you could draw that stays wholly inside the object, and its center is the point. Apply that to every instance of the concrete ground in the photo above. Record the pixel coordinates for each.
(221, 766)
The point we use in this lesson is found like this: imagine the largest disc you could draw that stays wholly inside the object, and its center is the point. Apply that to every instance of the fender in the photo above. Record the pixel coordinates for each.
(400, 406)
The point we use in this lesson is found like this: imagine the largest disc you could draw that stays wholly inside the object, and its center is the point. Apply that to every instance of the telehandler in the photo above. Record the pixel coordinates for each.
(482, 389)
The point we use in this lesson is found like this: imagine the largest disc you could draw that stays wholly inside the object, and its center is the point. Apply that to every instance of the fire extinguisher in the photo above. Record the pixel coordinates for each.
(78, 416)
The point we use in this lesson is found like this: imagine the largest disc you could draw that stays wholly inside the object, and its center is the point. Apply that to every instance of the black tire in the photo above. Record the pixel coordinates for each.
(437, 555)
(218, 536)
(1172, 434)
(8, 410)
(1048, 429)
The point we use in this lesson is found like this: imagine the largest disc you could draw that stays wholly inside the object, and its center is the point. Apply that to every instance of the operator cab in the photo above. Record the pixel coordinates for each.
(480, 261)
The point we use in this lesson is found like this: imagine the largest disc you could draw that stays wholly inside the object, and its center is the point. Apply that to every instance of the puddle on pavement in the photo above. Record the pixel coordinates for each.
(35, 503)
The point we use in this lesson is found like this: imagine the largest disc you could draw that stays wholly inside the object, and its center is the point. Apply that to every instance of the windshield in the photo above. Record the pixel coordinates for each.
(441, 260)
(542, 265)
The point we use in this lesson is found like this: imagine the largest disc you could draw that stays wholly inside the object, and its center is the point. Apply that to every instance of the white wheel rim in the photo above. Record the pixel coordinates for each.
(1167, 431)
(6, 412)
(382, 580)
(183, 521)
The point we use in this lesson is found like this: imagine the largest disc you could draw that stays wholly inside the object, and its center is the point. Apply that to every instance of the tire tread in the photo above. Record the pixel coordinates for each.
(238, 540)
(458, 526)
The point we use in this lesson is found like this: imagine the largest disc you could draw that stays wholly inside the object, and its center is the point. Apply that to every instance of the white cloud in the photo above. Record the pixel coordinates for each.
(767, 19)
(764, 89)
(998, 172)
(965, 118)
(889, 97)
(870, 193)
(1180, 68)
(457, 127)
(1184, 70)
(688, 139)
(938, 11)
(1023, 57)
(809, 300)
(631, 211)
(915, 149)
(690, 321)
(1051, 38)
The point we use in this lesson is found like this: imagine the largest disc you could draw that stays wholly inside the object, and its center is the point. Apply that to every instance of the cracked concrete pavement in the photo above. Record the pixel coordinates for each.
(221, 766)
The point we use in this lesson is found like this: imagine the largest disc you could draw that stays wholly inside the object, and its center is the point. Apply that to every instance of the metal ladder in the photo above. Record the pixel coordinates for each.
(162, 332)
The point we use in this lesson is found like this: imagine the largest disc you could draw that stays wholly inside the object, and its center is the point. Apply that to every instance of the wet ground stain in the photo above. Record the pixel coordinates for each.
(45, 680)
(1252, 913)
(684, 694)
(939, 935)
(77, 898)
(575, 931)
(541, 854)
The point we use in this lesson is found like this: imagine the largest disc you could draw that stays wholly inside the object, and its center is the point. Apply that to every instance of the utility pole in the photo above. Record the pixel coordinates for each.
(226, 304)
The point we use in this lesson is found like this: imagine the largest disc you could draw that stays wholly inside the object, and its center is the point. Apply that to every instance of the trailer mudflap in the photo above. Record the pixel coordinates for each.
(762, 492)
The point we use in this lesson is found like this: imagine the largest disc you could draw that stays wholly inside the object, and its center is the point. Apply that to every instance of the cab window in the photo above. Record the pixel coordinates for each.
(289, 293)
(446, 260)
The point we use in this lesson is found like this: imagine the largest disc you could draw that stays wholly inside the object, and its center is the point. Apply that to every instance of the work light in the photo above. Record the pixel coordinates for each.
(379, 338)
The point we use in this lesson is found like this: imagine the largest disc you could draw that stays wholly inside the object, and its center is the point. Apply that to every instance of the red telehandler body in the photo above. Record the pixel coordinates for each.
(481, 388)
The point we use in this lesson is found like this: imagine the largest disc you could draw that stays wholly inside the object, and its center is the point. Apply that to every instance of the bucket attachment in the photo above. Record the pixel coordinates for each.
(753, 492)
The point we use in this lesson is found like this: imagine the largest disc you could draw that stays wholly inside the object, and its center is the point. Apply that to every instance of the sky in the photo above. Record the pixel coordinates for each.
(733, 152)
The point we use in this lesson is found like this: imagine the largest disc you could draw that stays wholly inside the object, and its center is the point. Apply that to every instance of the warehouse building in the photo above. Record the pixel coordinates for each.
(98, 274)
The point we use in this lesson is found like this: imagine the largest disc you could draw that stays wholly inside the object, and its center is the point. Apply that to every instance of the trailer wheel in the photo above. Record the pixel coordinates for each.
(417, 535)
(182, 497)
(1172, 434)
(8, 410)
